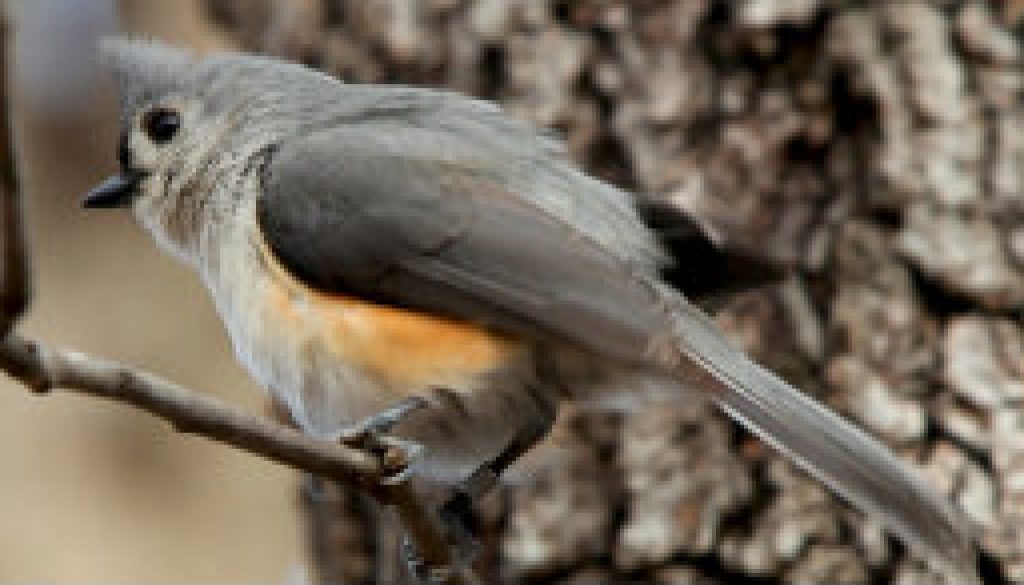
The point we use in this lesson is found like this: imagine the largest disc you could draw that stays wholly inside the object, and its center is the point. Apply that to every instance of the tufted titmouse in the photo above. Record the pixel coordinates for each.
(368, 245)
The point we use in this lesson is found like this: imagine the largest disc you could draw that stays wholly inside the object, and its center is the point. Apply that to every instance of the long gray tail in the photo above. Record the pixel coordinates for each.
(853, 464)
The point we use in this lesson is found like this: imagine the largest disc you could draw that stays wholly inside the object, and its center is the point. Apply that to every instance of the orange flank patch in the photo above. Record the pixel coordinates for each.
(406, 350)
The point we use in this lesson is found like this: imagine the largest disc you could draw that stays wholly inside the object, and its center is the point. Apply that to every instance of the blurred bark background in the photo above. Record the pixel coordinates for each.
(874, 148)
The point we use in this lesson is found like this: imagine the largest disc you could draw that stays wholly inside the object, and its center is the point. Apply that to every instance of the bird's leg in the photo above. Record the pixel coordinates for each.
(483, 480)
(458, 514)
(371, 434)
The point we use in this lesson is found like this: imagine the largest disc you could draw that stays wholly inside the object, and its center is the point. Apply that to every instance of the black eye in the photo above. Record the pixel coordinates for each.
(161, 124)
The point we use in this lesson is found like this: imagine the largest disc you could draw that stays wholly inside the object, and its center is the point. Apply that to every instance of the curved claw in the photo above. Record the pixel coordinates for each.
(400, 457)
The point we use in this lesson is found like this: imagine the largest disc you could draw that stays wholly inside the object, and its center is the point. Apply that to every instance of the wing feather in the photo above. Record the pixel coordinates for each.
(350, 211)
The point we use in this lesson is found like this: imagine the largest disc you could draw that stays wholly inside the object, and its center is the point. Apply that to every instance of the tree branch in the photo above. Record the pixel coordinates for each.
(14, 279)
(41, 369)
(15, 275)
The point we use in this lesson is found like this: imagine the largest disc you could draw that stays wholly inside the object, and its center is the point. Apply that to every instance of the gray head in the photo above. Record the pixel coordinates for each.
(189, 127)
(193, 130)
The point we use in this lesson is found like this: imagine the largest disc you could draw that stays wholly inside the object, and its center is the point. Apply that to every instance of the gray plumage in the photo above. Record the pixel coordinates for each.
(426, 220)
(438, 203)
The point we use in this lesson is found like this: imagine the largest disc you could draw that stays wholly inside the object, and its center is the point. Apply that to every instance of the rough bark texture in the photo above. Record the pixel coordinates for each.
(875, 148)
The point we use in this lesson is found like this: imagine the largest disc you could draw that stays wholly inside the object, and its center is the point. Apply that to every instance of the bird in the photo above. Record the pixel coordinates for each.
(415, 262)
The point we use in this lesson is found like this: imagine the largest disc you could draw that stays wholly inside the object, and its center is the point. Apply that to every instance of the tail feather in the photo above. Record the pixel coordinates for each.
(850, 462)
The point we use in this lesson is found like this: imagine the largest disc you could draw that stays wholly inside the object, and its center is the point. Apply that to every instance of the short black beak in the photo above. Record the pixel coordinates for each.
(116, 191)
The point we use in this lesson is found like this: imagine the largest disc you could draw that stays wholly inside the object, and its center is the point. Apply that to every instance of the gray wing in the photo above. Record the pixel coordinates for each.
(415, 219)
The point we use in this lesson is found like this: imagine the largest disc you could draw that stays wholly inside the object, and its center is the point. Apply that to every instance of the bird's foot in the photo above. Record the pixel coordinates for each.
(372, 434)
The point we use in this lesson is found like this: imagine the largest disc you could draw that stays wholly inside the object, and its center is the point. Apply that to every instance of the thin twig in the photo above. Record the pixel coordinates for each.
(423, 527)
(15, 274)
(14, 279)
(41, 369)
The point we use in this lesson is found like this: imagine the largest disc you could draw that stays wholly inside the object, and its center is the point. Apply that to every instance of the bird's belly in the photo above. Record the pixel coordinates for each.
(333, 359)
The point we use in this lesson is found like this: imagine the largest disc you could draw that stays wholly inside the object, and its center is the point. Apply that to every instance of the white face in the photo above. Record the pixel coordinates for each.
(156, 143)
(163, 150)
